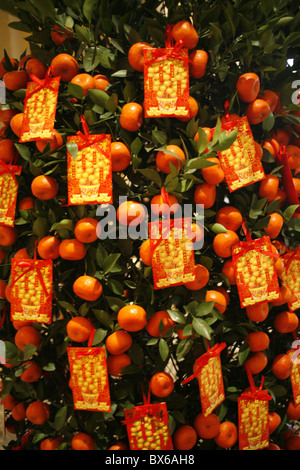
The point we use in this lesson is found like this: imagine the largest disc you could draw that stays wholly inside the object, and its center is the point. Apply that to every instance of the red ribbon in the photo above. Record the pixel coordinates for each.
(281, 158)
(45, 82)
(250, 245)
(174, 49)
(255, 394)
(87, 140)
(203, 360)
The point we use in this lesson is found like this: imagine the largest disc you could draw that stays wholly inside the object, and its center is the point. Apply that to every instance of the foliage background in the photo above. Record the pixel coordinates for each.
(239, 37)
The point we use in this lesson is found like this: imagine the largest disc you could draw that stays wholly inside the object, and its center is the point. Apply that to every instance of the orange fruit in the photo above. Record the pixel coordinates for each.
(72, 249)
(79, 329)
(229, 271)
(120, 156)
(272, 446)
(257, 111)
(5, 117)
(213, 174)
(272, 145)
(44, 187)
(136, 55)
(293, 411)
(161, 384)
(285, 295)
(159, 323)
(227, 435)
(296, 182)
(32, 372)
(230, 217)
(48, 247)
(193, 110)
(87, 288)
(247, 87)
(257, 341)
(85, 81)
(35, 67)
(27, 335)
(274, 226)
(118, 445)
(258, 312)
(132, 318)
(207, 427)
(282, 135)
(59, 35)
(27, 203)
(197, 63)
(205, 194)
(3, 66)
(131, 213)
(8, 235)
(201, 278)
(159, 207)
(9, 402)
(145, 252)
(282, 366)
(281, 194)
(268, 187)
(274, 421)
(50, 443)
(164, 160)
(259, 150)
(294, 152)
(22, 253)
(132, 116)
(82, 441)
(8, 151)
(184, 437)
(55, 142)
(116, 363)
(208, 134)
(118, 342)
(18, 412)
(256, 362)
(38, 412)
(17, 324)
(16, 124)
(64, 66)
(85, 230)
(218, 298)
(196, 233)
(16, 80)
(101, 82)
(185, 31)
(230, 117)
(271, 98)
(223, 242)
(292, 442)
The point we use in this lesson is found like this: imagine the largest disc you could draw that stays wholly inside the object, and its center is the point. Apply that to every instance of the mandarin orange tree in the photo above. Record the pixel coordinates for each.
(243, 64)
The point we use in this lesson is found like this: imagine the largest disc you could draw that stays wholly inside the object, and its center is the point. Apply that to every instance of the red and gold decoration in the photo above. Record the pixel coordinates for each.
(253, 411)
(40, 108)
(8, 192)
(295, 372)
(291, 276)
(89, 377)
(166, 80)
(208, 371)
(90, 169)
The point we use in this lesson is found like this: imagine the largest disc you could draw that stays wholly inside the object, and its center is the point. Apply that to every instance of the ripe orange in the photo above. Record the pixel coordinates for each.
(230, 217)
(85, 81)
(271, 98)
(184, 437)
(86, 230)
(8, 235)
(37, 412)
(118, 342)
(229, 271)
(131, 213)
(292, 442)
(213, 174)
(282, 366)
(82, 441)
(16, 80)
(218, 298)
(72, 249)
(159, 207)
(161, 384)
(87, 288)
(196, 233)
(296, 182)
(247, 86)
(17, 324)
(64, 66)
(18, 412)
(3, 67)
(272, 145)
(193, 110)
(8, 151)
(16, 123)
(293, 411)
(27, 335)
(116, 363)
(9, 402)
(207, 427)
(159, 323)
(101, 82)
(201, 278)
(50, 443)
(120, 156)
(79, 329)
(294, 152)
(223, 242)
(257, 111)
(48, 247)
(258, 312)
(132, 116)
(32, 372)
(274, 421)
(145, 252)
(282, 135)
(227, 435)
(274, 226)
(132, 317)
(118, 445)
(285, 295)
(55, 142)
(205, 194)
(185, 31)
(44, 187)
(256, 362)
(27, 203)
(272, 446)
(36, 67)
(268, 187)
(136, 55)
(257, 341)
(259, 150)
(198, 63)
(58, 35)
(5, 117)
(164, 160)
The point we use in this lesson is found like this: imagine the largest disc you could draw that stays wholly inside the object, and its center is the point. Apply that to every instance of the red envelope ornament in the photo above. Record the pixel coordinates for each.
(291, 276)
(8, 192)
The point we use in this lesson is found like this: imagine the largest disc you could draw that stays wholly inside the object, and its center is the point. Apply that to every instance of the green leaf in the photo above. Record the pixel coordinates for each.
(151, 175)
(176, 316)
(110, 262)
(24, 151)
(289, 212)
(202, 328)
(72, 148)
(99, 97)
(67, 306)
(83, 34)
(64, 223)
(99, 336)
(40, 227)
(205, 308)
(87, 9)
(60, 418)
(217, 228)
(163, 349)
(103, 317)
(75, 90)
